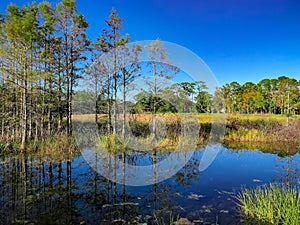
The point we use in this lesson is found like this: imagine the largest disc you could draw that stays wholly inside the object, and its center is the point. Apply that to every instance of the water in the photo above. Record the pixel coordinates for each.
(41, 190)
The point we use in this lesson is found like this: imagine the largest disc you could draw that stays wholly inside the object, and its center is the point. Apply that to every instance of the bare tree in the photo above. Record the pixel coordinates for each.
(129, 71)
(162, 70)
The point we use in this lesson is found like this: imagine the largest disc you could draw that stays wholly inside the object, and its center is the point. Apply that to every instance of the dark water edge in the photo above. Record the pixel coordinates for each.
(45, 190)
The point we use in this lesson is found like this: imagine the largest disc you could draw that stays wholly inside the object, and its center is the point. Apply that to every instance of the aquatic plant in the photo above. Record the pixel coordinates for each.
(271, 204)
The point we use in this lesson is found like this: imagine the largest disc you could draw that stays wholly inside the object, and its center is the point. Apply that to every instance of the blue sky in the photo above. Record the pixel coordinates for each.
(240, 40)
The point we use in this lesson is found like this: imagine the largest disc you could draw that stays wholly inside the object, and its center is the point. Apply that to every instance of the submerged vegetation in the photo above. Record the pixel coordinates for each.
(273, 204)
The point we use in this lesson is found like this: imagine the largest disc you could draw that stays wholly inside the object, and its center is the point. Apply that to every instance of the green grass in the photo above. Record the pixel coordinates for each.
(111, 143)
(272, 204)
(8, 147)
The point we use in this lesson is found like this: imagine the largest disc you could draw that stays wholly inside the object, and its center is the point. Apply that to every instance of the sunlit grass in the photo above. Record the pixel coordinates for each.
(56, 144)
(254, 128)
(203, 118)
(246, 135)
(111, 143)
(272, 204)
(87, 117)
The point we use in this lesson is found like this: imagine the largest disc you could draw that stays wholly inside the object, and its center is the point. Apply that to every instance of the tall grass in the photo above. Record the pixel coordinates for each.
(245, 135)
(160, 220)
(252, 128)
(8, 147)
(111, 143)
(272, 204)
(271, 129)
(59, 146)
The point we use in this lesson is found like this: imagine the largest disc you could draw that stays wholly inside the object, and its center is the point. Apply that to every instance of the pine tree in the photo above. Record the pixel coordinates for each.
(109, 41)
(72, 28)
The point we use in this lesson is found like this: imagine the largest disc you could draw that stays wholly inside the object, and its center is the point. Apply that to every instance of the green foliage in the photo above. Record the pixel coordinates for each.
(8, 147)
(203, 102)
(273, 204)
(42, 50)
(111, 142)
(153, 104)
(278, 96)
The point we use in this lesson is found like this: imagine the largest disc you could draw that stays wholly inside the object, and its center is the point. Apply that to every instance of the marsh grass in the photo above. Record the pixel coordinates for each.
(111, 143)
(282, 149)
(245, 135)
(59, 147)
(171, 220)
(262, 128)
(271, 204)
(259, 128)
(8, 147)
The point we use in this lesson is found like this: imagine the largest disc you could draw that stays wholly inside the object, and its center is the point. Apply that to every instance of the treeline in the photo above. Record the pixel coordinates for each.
(184, 97)
(274, 96)
(269, 96)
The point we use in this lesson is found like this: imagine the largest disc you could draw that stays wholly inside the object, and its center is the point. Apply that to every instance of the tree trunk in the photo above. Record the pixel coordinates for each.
(115, 106)
(154, 103)
(30, 112)
(49, 121)
(124, 108)
(109, 107)
(59, 96)
(115, 87)
(24, 115)
(96, 97)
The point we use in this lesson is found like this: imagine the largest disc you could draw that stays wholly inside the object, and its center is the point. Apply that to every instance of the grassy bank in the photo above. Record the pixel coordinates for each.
(262, 128)
(282, 149)
(242, 131)
(259, 130)
(273, 204)
(58, 146)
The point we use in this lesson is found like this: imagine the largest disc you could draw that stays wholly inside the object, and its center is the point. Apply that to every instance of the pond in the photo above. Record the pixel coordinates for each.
(40, 190)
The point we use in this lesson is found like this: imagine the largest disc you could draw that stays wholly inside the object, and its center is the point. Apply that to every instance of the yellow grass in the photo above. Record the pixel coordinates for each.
(171, 118)
(84, 118)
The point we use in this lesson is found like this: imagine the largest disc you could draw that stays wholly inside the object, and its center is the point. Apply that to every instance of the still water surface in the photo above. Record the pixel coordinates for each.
(40, 190)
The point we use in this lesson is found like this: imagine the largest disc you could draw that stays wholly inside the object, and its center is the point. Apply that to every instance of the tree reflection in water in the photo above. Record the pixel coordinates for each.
(41, 190)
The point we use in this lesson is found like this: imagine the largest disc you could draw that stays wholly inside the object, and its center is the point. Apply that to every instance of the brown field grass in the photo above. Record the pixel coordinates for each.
(239, 128)
(87, 117)
(202, 118)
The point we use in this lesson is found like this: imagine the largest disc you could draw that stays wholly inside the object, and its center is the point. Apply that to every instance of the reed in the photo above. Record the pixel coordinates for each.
(58, 146)
(271, 204)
